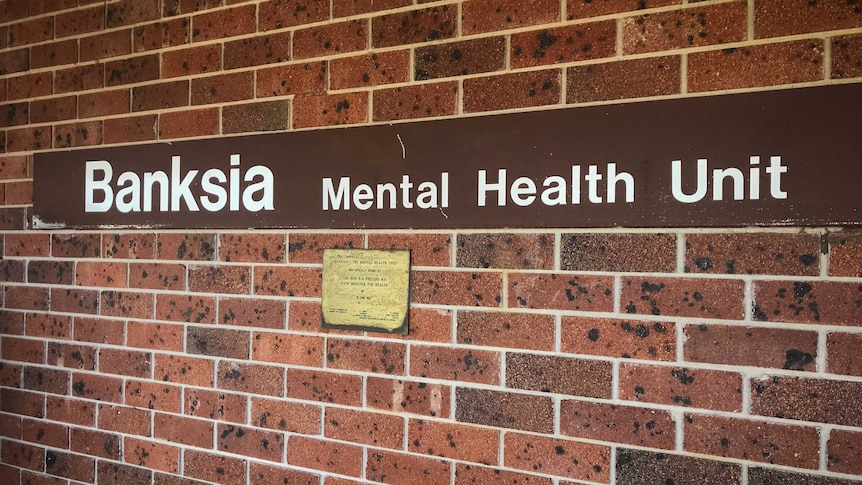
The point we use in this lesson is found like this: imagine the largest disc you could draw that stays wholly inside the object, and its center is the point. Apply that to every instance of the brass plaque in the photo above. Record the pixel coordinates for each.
(365, 289)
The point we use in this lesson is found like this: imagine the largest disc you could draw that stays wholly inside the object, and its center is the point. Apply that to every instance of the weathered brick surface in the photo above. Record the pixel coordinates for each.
(615, 423)
(681, 386)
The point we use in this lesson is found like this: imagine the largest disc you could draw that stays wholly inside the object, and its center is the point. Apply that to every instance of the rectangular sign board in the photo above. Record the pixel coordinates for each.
(787, 157)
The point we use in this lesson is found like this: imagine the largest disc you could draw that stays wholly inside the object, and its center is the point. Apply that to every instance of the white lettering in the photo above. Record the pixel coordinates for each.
(337, 200)
(775, 169)
(676, 182)
(91, 185)
(523, 186)
(485, 187)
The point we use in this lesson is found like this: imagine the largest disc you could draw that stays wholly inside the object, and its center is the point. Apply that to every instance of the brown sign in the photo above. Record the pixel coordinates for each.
(791, 157)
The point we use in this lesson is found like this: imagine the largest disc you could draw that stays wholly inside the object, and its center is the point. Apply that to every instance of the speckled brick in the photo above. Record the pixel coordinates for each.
(95, 443)
(796, 446)
(846, 56)
(52, 381)
(459, 58)
(17, 167)
(132, 70)
(42, 432)
(156, 276)
(364, 356)
(190, 61)
(509, 91)
(217, 405)
(12, 271)
(188, 123)
(104, 103)
(115, 473)
(128, 12)
(21, 350)
(13, 10)
(286, 416)
(98, 387)
(559, 375)
(73, 411)
(263, 445)
(797, 254)
(641, 466)
(252, 312)
(213, 467)
(26, 298)
(391, 467)
(788, 17)
(764, 65)
(125, 362)
(845, 452)
(323, 455)
(80, 21)
(219, 279)
(636, 78)
(173, 94)
(287, 281)
(328, 110)
(294, 349)
(264, 49)
(68, 465)
(566, 458)
(78, 134)
(322, 386)
(467, 365)
(72, 301)
(53, 54)
(819, 400)
(161, 34)
(72, 356)
(137, 128)
(618, 252)
(27, 139)
(833, 303)
(309, 248)
(506, 329)
(593, 8)
(183, 430)
(411, 102)
(347, 8)
(14, 61)
(55, 109)
(504, 410)
(489, 15)
(155, 456)
(561, 291)
(229, 22)
(255, 248)
(29, 86)
(842, 353)
(370, 69)
(124, 419)
(276, 14)
(217, 342)
(305, 78)
(752, 346)
(456, 441)
(222, 88)
(10, 374)
(415, 26)
(51, 272)
(14, 114)
(23, 455)
(79, 78)
(685, 297)
(11, 323)
(268, 116)
(363, 427)
(127, 304)
(845, 253)
(770, 476)
(102, 46)
(75, 245)
(99, 330)
(243, 377)
(31, 31)
(191, 247)
(690, 27)
(618, 424)
(408, 397)
(330, 39)
(456, 288)
(171, 8)
(275, 475)
(26, 403)
(180, 308)
(426, 249)
(564, 44)
(515, 251)
(681, 386)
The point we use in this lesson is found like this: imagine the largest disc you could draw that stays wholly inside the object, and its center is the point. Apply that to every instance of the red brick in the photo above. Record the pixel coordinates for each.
(79, 78)
(415, 26)
(309, 248)
(114, 473)
(460, 58)
(11, 323)
(330, 39)
(161, 34)
(219, 279)
(23, 350)
(155, 336)
(640, 466)
(27, 139)
(391, 467)
(571, 459)
(456, 288)
(560, 291)
(683, 297)
(213, 468)
(426, 249)
(48, 326)
(24, 402)
(127, 304)
(54, 54)
(560, 375)
(104, 103)
(681, 386)
(564, 44)
(152, 395)
(222, 88)
(128, 12)
(13, 10)
(86, 133)
(292, 349)
(819, 400)
(22, 455)
(26, 244)
(256, 378)
(110, 44)
(516, 251)
(252, 248)
(510, 91)
(99, 330)
(189, 123)
(76, 467)
(795, 446)
(16, 167)
(842, 353)
(807, 302)
(46, 433)
(845, 452)
(189, 247)
(691, 27)
(10, 375)
(98, 387)
(328, 110)
(73, 411)
(73, 301)
(362, 427)
(635, 78)
(223, 23)
(276, 14)
(55, 109)
(455, 364)
(182, 430)
(46, 380)
(370, 69)
(18, 193)
(250, 312)
(15, 61)
(365, 356)
(326, 456)
(618, 252)
(178, 7)
(758, 347)
(504, 410)
(451, 440)
(125, 362)
(72, 356)
(306, 78)
(472, 474)
(277, 475)
(95, 443)
(80, 21)
(181, 308)
(618, 424)
(764, 65)
(285, 415)
(25, 298)
(263, 445)
(488, 15)
(218, 342)
(357, 7)
(846, 55)
(101, 274)
(31, 31)
(407, 396)
(287, 281)
(184, 370)
(506, 329)
(789, 17)
(157, 276)
(263, 49)
(152, 455)
(250, 117)
(753, 254)
(52, 272)
(193, 60)
(173, 94)
(132, 70)
(328, 387)
(124, 420)
(215, 405)
(845, 249)
(28, 86)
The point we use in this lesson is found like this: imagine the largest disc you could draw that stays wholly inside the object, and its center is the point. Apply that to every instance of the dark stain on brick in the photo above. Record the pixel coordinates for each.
(797, 360)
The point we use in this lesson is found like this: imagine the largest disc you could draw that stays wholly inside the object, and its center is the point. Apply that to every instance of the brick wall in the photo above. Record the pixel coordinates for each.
(670, 356)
